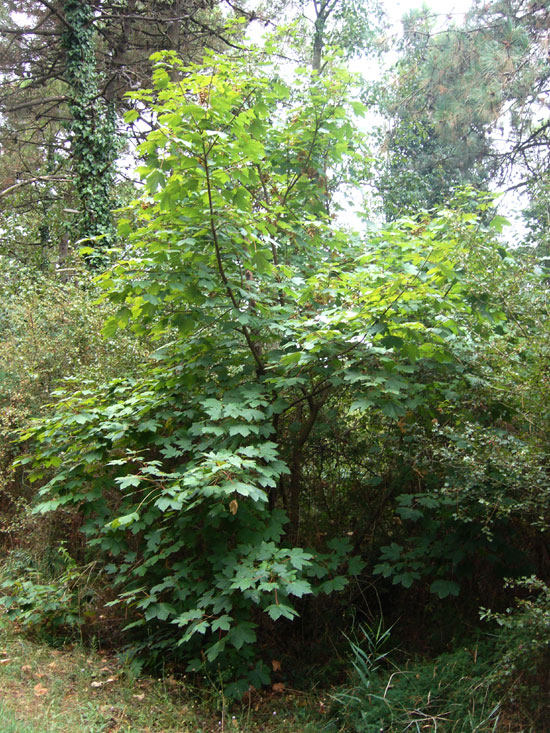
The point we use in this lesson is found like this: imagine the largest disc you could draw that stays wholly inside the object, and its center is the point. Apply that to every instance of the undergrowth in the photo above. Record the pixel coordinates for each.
(449, 693)
(500, 681)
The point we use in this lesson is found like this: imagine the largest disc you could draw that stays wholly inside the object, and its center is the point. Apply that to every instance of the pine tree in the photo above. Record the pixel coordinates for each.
(468, 104)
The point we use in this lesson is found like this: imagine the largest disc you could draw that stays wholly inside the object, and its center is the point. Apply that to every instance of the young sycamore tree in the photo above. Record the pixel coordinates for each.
(266, 312)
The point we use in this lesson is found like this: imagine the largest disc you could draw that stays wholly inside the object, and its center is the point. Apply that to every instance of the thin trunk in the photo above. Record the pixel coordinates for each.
(295, 483)
(318, 43)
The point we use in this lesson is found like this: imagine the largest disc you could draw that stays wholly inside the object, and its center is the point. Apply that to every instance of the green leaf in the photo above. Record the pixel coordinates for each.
(244, 430)
(154, 180)
(391, 552)
(444, 588)
(356, 565)
(159, 610)
(395, 410)
(405, 578)
(125, 481)
(131, 116)
(222, 623)
(334, 584)
(124, 521)
(298, 588)
(499, 222)
(281, 610)
(299, 558)
(241, 634)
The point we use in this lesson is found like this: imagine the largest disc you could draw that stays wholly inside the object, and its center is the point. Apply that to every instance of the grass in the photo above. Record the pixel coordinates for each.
(73, 690)
(10, 724)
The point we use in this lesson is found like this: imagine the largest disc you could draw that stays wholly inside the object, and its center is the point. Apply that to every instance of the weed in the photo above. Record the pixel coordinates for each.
(52, 600)
(449, 693)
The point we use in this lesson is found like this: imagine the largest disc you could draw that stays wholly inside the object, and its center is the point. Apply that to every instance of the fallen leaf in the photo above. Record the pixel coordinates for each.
(233, 506)
(97, 683)
(39, 690)
(276, 665)
(141, 696)
(7, 660)
(26, 669)
(278, 687)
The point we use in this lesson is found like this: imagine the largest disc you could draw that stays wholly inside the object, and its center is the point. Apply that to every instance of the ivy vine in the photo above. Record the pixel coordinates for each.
(93, 133)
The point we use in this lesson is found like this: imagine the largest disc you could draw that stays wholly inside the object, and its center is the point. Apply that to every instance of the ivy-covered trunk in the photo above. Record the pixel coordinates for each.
(94, 140)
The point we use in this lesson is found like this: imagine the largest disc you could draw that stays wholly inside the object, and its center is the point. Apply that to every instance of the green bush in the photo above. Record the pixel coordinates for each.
(192, 476)
(50, 600)
(523, 635)
(49, 331)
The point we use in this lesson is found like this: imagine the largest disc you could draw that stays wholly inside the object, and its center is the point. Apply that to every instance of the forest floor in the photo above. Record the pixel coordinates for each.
(75, 690)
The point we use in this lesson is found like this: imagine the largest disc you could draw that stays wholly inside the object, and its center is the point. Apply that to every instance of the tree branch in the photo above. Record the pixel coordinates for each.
(10, 189)
(259, 363)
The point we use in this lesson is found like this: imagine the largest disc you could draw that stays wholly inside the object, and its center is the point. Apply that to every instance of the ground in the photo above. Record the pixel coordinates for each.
(74, 690)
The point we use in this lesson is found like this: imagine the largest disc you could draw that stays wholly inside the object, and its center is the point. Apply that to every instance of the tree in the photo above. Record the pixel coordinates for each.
(347, 25)
(502, 53)
(65, 72)
(468, 104)
(424, 162)
(269, 318)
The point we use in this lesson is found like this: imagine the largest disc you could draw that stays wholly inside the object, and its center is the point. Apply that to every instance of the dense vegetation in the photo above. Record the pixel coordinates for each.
(251, 436)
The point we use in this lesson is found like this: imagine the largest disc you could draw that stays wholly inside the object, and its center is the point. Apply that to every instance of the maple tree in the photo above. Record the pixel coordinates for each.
(268, 318)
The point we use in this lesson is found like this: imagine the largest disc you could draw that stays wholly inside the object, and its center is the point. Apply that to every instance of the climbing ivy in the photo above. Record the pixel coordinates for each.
(94, 138)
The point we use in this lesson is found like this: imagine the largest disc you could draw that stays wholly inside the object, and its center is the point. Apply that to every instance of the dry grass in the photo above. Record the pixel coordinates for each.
(71, 690)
